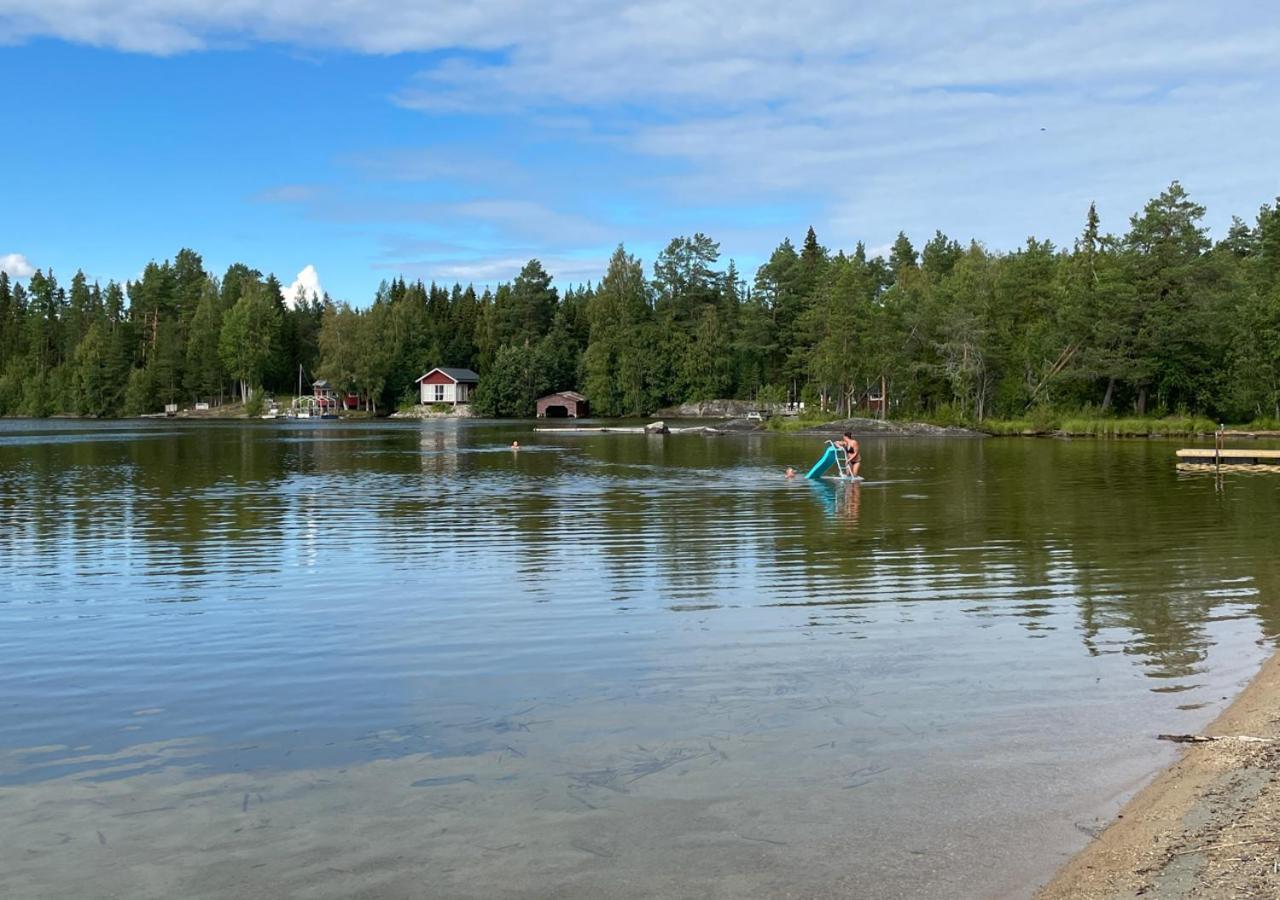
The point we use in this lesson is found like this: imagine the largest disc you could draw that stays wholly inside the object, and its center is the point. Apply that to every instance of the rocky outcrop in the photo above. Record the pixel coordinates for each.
(424, 411)
(713, 409)
(879, 426)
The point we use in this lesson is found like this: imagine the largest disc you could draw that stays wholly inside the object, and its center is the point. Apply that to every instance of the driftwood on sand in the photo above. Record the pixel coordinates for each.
(1209, 738)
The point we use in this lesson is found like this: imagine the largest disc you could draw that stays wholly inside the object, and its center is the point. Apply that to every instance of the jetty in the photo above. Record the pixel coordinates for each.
(1220, 455)
(1229, 457)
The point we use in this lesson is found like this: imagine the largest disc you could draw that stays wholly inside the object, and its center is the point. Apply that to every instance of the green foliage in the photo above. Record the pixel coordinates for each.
(771, 394)
(1011, 427)
(520, 375)
(249, 333)
(96, 388)
(805, 420)
(206, 372)
(1153, 321)
(139, 393)
(253, 407)
(525, 309)
(1135, 427)
(621, 373)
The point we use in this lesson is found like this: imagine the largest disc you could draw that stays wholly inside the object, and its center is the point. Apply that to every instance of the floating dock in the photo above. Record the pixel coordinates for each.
(1233, 457)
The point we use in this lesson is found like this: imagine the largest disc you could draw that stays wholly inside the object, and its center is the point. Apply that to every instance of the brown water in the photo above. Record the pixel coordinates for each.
(400, 660)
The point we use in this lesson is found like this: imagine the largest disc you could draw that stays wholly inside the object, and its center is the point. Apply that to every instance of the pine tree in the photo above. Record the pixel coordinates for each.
(1165, 250)
(617, 364)
(96, 385)
(939, 256)
(205, 372)
(10, 322)
(189, 279)
(525, 309)
(44, 321)
(902, 257)
(79, 315)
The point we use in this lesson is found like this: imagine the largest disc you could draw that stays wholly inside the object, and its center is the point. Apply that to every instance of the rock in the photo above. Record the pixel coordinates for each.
(424, 411)
(878, 426)
(715, 409)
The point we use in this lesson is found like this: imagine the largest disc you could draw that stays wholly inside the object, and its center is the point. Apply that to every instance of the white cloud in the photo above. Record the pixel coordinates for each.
(986, 120)
(482, 270)
(16, 265)
(308, 281)
(500, 218)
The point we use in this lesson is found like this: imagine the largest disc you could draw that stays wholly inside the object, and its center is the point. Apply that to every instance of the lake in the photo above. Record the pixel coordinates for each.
(398, 659)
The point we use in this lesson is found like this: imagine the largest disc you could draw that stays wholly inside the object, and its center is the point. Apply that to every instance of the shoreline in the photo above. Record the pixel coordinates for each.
(1205, 826)
(860, 426)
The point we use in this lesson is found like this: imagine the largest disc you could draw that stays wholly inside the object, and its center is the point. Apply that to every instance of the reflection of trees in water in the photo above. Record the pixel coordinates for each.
(1021, 528)
(1008, 528)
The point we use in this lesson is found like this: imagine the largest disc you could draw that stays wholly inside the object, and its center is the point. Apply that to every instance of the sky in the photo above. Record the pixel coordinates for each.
(338, 143)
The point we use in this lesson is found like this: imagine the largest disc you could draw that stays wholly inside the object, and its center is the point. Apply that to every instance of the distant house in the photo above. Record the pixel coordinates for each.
(453, 386)
(327, 397)
(565, 404)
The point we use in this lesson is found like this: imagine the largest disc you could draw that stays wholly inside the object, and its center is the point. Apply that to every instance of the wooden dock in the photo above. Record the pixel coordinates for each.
(1235, 456)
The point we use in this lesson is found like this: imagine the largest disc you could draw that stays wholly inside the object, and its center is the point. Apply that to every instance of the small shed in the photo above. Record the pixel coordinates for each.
(562, 405)
(452, 386)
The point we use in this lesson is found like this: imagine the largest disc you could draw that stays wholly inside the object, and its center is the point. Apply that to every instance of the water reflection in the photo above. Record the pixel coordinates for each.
(597, 616)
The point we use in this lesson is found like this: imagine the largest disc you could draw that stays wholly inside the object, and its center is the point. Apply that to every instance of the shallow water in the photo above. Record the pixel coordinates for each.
(398, 659)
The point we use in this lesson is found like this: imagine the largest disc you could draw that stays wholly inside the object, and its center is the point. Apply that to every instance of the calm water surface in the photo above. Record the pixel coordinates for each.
(400, 660)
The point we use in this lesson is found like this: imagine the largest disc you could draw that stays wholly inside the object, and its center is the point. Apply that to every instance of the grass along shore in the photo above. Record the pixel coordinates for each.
(1066, 425)
(1080, 426)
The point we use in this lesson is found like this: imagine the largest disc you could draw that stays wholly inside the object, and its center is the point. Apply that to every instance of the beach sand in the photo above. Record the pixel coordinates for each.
(1208, 826)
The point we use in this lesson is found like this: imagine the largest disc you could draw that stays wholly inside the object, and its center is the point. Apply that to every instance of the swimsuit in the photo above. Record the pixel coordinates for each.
(852, 457)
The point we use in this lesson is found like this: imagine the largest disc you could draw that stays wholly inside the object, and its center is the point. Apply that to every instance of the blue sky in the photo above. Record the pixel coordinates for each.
(454, 142)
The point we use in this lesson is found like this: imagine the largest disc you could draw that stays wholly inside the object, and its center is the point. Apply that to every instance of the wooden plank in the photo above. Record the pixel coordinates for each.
(1209, 453)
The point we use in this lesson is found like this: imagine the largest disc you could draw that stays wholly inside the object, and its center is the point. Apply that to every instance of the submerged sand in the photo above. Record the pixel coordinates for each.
(1209, 826)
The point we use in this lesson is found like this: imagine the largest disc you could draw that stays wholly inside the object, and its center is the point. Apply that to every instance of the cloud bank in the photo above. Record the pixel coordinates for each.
(988, 120)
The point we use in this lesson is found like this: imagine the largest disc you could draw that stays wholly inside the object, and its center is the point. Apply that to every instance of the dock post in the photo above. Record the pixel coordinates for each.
(1217, 446)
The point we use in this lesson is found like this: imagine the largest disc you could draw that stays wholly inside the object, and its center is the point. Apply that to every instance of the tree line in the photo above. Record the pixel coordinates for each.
(1159, 319)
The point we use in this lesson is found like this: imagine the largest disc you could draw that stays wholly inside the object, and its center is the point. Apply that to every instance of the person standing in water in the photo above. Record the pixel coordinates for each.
(852, 451)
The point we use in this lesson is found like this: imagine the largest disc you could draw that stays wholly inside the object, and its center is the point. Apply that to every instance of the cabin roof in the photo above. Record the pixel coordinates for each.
(456, 375)
(568, 395)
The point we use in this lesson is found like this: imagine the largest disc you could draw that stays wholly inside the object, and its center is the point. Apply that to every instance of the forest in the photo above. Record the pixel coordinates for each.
(1158, 320)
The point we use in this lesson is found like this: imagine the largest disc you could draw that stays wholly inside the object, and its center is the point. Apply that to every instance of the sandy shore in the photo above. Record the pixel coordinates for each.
(1207, 826)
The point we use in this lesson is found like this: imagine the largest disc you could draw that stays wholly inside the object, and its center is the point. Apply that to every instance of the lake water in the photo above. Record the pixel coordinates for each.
(400, 660)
